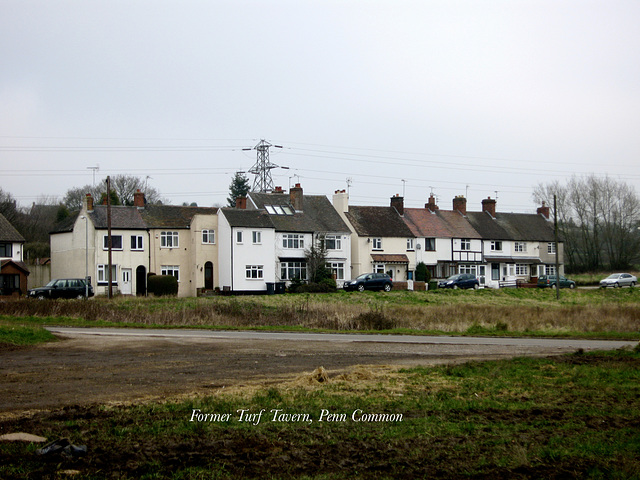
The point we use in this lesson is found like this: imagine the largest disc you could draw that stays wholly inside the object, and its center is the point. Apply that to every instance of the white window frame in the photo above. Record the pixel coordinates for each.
(430, 244)
(292, 270)
(522, 269)
(337, 268)
(254, 272)
(256, 237)
(465, 244)
(105, 242)
(169, 239)
(208, 236)
(468, 268)
(520, 247)
(173, 270)
(410, 244)
(333, 242)
(551, 250)
(102, 277)
(549, 269)
(378, 268)
(496, 246)
(376, 244)
(137, 243)
(292, 241)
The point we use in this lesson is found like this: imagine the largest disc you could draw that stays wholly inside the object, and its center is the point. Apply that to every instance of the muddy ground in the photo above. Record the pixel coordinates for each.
(83, 370)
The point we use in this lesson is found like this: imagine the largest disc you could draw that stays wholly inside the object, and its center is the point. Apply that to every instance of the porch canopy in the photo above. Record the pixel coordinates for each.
(502, 259)
(391, 258)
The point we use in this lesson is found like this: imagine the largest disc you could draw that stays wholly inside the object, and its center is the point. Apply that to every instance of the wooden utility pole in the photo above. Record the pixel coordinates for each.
(109, 279)
(555, 235)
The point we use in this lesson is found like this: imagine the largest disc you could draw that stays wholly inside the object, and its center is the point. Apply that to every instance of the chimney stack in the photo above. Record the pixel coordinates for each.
(489, 206)
(431, 204)
(341, 201)
(460, 204)
(88, 203)
(278, 190)
(241, 203)
(543, 210)
(295, 194)
(397, 202)
(138, 199)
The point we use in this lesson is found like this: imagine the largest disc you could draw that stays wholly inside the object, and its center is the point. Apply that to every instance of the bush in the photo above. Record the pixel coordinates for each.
(422, 273)
(326, 285)
(160, 285)
(433, 285)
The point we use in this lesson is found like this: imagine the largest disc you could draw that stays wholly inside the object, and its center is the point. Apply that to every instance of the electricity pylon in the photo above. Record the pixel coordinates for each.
(263, 183)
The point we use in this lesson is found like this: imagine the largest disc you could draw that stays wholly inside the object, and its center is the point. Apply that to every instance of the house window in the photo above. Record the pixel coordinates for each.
(465, 244)
(378, 268)
(6, 249)
(522, 269)
(550, 269)
(116, 242)
(377, 244)
(208, 236)
(333, 242)
(239, 237)
(254, 272)
(496, 246)
(520, 247)
(430, 244)
(292, 240)
(293, 270)
(551, 249)
(410, 244)
(169, 239)
(256, 237)
(467, 269)
(337, 268)
(136, 242)
(173, 270)
(103, 274)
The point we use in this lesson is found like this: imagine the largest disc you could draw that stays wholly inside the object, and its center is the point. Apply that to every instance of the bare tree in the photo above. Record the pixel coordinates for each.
(598, 220)
(125, 186)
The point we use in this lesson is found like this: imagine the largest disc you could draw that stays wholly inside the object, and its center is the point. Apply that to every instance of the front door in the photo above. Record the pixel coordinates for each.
(208, 276)
(125, 286)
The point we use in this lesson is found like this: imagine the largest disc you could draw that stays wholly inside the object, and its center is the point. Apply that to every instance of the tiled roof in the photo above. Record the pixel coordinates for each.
(247, 218)
(21, 265)
(424, 223)
(317, 214)
(133, 218)
(378, 222)
(8, 233)
(512, 226)
(457, 224)
(389, 258)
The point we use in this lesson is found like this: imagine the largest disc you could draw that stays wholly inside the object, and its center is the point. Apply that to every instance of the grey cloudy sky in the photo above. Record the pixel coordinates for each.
(454, 97)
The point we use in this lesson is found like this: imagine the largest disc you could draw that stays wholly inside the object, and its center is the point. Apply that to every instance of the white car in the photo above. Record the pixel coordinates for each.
(619, 280)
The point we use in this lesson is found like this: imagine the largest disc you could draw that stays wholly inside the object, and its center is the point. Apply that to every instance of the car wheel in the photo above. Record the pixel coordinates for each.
(476, 286)
(40, 297)
(616, 285)
(572, 285)
(387, 287)
(361, 288)
(455, 287)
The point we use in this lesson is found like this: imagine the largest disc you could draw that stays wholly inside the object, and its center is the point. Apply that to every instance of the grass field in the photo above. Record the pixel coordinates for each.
(573, 416)
(533, 312)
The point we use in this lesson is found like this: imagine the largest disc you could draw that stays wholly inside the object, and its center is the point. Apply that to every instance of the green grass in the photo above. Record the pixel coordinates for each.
(572, 416)
(21, 335)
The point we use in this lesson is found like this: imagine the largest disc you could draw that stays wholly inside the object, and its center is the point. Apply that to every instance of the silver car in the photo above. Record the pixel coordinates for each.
(618, 280)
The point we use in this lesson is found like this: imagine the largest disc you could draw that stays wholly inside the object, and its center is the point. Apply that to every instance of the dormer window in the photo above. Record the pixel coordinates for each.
(279, 209)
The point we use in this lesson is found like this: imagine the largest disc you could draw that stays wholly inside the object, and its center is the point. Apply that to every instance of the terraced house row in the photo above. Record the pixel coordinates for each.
(264, 241)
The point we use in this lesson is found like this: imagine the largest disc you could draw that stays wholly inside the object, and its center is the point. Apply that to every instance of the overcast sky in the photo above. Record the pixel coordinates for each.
(453, 97)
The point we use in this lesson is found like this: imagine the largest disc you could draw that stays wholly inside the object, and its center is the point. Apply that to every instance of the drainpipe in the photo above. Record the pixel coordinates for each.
(232, 264)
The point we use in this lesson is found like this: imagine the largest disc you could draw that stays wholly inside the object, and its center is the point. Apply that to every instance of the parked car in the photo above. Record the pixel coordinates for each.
(618, 280)
(61, 288)
(550, 281)
(370, 281)
(462, 280)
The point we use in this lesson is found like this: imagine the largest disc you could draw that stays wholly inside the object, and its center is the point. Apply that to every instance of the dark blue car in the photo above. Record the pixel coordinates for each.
(370, 281)
(462, 280)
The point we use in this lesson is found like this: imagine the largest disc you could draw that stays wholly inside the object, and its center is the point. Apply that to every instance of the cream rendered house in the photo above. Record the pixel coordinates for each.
(160, 239)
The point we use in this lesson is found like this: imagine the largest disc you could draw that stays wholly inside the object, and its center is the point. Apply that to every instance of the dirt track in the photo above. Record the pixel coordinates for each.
(85, 369)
